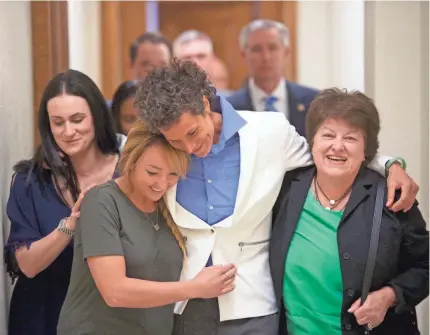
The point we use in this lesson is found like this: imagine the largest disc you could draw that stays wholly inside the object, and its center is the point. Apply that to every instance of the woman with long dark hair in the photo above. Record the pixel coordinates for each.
(79, 148)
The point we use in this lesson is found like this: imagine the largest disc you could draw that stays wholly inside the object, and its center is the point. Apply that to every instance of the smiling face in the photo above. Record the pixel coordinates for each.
(71, 123)
(154, 173)
(338, 148)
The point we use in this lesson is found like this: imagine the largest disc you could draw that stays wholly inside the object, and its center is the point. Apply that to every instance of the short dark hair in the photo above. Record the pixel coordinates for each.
(168, 92)
(354, 107)
(151, 37)
(124, 91)
(47, 156)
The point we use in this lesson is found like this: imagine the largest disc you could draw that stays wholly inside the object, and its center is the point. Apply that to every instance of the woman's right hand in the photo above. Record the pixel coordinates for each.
(76, 210)
(213, 281)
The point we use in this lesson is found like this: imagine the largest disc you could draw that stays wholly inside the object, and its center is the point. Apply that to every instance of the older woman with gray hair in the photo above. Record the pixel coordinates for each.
(341, 262)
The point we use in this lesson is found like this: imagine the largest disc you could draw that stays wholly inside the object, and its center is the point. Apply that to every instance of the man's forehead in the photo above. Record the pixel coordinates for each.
(149, 49)
(181, 127)
(260, 35)
(196, 46)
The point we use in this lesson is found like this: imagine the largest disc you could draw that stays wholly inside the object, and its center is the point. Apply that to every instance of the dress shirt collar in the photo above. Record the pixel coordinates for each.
(232, 122)
(259, 97)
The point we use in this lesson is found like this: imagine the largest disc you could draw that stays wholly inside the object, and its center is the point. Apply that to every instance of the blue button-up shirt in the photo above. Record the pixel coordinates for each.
(210, 188)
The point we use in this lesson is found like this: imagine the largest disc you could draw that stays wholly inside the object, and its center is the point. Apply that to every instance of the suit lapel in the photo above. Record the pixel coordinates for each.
(297, 196)
(180, 215)
(360, 191)
(288, 218)
(296, 110)
(248, 152)
(247, 99)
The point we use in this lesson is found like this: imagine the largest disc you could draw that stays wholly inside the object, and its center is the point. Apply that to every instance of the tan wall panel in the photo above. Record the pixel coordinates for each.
(122, 22)
(289, 18)
(111, 51)
(133, 24)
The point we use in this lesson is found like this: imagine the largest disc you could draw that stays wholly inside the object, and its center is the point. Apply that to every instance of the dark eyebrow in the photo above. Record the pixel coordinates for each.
(71, 116)
(328, 128)
(155, 167)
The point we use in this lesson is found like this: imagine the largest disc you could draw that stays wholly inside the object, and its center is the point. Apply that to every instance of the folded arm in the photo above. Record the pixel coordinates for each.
(118, 290)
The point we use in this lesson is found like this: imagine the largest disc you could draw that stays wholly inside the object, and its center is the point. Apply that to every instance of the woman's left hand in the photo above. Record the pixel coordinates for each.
(398, 179)
(374, 308)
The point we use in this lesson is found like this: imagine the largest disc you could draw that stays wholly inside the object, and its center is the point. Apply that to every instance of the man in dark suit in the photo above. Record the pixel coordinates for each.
(266, 50)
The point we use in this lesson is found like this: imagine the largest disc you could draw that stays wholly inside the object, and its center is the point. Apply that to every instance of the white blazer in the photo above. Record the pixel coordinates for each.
(269, 146)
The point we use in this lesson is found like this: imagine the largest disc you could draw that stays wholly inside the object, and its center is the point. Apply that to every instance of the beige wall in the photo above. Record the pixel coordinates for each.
(330, 50)
(16, 104)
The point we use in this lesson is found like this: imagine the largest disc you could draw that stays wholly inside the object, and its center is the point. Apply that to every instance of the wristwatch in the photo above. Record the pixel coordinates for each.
(398, 160)
(63, 228)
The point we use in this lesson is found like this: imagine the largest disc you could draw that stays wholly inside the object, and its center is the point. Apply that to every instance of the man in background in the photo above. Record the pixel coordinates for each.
(196, 46)
(149, 51)
(266, 50)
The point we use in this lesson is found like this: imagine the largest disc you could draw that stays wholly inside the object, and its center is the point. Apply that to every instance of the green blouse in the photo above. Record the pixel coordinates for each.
(313, 281)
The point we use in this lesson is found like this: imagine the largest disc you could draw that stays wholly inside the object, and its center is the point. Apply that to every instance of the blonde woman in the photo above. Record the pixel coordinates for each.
(128, 252)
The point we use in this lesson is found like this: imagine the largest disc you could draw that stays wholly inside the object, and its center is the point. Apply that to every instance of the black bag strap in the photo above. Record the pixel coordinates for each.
(374, 239)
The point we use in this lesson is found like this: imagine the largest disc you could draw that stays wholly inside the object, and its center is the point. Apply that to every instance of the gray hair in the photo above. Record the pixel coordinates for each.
(168, 92)
(283, 31)
(189, 36)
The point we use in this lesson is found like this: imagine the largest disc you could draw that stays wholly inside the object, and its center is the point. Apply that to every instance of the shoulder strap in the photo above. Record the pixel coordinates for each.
(374, 239)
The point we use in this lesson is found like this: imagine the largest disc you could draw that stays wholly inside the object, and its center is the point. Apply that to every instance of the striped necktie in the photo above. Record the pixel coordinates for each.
(270, 104)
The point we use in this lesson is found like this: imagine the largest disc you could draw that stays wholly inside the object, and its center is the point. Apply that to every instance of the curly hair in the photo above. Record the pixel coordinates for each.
(168, 92)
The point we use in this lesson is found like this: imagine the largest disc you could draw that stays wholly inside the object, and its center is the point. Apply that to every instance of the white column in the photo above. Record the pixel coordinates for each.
(16, 113)
(84, 19)
(397, 77)
(330, 44)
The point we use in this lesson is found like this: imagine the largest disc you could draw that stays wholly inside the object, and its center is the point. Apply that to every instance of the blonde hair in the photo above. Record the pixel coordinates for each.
(138, 140)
